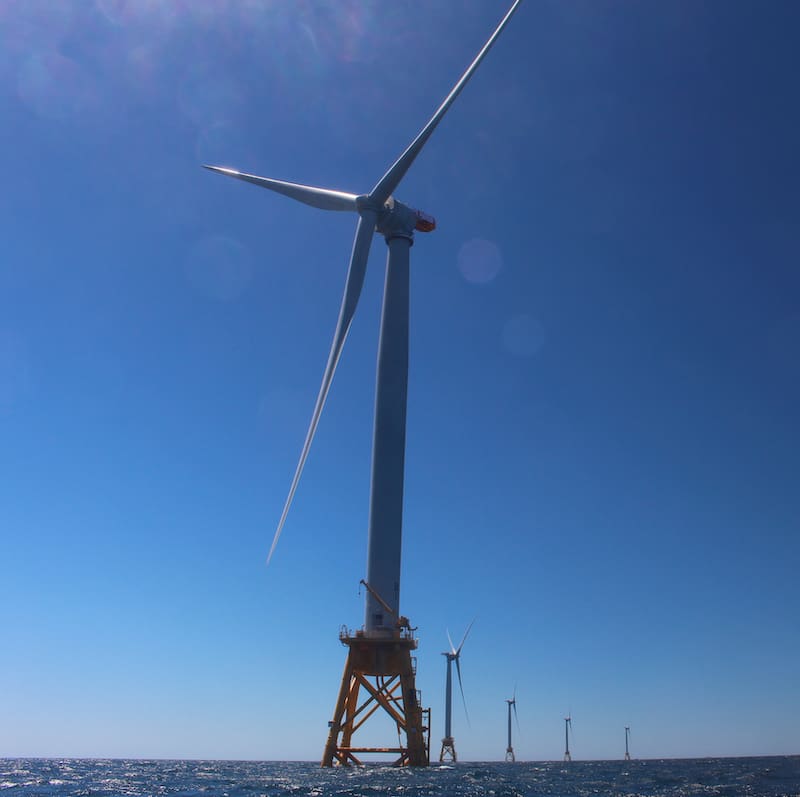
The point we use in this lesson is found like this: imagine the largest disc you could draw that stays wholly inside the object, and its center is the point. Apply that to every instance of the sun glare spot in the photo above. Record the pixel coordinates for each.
(479, 261)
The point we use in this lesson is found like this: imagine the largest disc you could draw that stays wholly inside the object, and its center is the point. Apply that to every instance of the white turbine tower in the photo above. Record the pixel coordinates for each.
(382, 650)
(448, 750)
(510, 747)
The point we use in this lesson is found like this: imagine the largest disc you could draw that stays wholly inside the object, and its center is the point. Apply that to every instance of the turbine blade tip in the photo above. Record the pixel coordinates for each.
(220, 169)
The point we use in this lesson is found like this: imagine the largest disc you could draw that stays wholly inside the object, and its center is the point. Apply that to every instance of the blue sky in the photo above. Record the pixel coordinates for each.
(603, 425)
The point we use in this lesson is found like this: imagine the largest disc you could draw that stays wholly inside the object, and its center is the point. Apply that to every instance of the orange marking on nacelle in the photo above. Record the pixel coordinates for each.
(425, 223)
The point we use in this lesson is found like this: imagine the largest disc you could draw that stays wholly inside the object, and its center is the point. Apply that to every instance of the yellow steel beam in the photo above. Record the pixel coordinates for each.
(382, 700)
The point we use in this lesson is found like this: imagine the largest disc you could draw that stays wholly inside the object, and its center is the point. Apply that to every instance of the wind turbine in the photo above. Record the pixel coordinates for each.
(627, 734)
(453, 655)
(382, 649)
(512, 702)
(567, 729)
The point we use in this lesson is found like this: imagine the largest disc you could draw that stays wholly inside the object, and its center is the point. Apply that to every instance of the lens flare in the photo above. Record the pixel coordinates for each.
(479, 261)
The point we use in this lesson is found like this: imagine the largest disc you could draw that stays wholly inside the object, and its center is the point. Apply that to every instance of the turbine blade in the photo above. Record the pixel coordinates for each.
(461, 686)
(397, 171)
(323, 198)
(466, 634)
(516, 717)
(452, 646)
(352, 291)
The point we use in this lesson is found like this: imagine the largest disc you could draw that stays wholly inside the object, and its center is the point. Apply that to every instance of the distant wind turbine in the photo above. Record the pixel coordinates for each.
(448, 750)
(567, 729)
(512, 702)
(627, 734)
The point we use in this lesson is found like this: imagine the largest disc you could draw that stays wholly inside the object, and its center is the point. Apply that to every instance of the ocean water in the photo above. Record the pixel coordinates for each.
(769, 777)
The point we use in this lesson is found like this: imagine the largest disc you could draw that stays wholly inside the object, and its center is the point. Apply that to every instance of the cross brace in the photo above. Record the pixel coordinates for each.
(382, 668)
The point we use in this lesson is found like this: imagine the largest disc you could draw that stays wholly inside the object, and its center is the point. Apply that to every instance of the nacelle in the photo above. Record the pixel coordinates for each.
(397, 217)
